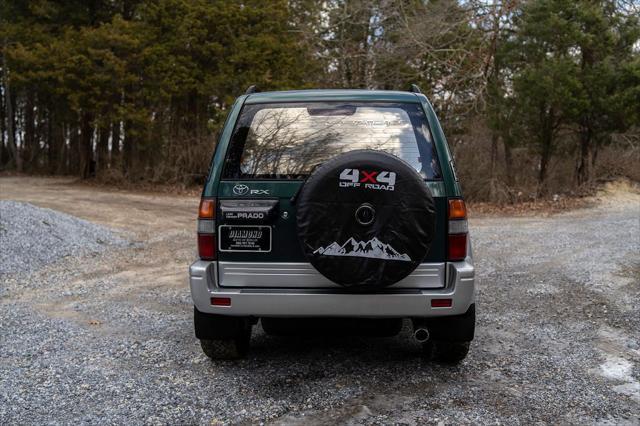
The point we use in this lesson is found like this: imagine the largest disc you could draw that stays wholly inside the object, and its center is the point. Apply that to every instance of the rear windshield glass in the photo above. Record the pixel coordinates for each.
(288, 141)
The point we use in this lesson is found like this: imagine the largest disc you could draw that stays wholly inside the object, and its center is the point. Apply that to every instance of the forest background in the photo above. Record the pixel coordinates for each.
(537, 97)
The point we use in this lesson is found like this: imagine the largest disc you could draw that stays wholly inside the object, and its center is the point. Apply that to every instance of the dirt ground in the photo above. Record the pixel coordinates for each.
(108, 338)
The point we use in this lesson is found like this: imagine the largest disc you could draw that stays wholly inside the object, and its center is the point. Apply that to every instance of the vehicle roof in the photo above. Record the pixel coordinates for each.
(332, 95)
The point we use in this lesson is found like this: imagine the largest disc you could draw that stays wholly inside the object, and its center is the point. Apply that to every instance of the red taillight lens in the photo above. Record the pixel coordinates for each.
(441, 303)
(207, 246)
(457, 247)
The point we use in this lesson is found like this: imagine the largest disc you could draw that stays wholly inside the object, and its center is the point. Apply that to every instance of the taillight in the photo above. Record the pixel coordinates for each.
(457, 246)
(207, 229)
(458, 230)
(207, 246)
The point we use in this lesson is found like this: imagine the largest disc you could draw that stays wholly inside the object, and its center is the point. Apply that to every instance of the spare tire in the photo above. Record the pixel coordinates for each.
(365, 219)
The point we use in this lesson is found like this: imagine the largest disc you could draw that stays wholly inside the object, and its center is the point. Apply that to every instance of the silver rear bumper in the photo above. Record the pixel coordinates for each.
(332, 302)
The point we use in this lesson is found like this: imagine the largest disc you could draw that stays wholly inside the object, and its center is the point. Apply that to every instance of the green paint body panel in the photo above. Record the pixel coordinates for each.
(333, 95)
(285, 245)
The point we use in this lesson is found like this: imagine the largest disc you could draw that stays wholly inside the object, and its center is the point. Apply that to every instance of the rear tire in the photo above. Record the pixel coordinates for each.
(221, 336)
(445, 352)
(227, 348)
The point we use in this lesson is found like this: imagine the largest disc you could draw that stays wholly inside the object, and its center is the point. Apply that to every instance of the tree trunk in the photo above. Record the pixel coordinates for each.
(55, 140)
(102, 148)
(545, 156)
(63, 160)
(86, 146)
(114, 156)
(58, 145)
(3, 131)
(42, 133)
(4, 154)
(493, 179)
(594, 155)
(128, 150)
(583, 168)
(508, 162)
(73, 150)
(542, 173)
(50, 138)
(546, 135)
(11, 135)
(29, 148)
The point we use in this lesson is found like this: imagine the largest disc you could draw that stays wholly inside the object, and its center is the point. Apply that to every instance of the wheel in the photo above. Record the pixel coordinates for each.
(222, 337)
(445, 352)
(227, 348)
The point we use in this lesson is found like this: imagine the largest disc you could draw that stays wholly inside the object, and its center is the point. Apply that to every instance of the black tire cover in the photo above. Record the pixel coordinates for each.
(346, 249)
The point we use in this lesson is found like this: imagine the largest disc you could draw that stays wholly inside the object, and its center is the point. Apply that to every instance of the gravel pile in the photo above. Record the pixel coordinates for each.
(32, 237)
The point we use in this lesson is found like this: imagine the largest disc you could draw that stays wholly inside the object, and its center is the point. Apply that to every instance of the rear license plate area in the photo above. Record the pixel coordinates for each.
(245, 238)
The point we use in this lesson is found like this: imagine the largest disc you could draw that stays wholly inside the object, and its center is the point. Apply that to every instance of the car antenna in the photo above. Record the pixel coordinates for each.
(252, 89)
(415, 89)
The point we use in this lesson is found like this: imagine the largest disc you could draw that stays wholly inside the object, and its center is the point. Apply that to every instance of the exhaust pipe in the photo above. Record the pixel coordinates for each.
(421, 335)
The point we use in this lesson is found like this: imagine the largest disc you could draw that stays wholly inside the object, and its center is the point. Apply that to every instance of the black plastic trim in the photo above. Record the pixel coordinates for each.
(455, 328)
(213, 327)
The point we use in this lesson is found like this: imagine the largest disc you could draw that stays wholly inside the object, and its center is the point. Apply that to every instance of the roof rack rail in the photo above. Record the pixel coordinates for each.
(251, 89)
(415, 89)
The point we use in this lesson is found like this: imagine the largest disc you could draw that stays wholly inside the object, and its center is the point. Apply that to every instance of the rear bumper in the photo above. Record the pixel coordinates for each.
(274, 302)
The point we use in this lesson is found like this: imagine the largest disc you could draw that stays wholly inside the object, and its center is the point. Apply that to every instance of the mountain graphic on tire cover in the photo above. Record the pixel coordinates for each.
(374, 248)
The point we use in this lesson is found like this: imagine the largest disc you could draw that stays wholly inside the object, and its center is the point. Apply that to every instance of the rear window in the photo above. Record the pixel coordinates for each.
(288, 141)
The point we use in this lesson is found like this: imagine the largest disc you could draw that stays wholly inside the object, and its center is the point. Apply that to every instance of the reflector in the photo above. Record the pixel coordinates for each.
(221, 301)
(441, 303)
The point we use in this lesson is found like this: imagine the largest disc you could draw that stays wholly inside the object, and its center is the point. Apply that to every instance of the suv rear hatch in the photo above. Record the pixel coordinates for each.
(273, 148)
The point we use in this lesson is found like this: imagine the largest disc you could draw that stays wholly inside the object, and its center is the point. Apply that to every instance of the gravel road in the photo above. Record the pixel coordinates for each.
(106, 336)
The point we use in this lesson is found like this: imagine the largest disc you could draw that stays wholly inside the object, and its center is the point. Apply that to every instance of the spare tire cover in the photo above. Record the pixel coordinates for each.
(365, 219)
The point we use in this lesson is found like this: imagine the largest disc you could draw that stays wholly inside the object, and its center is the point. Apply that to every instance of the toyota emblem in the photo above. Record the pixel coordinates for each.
(240, 189)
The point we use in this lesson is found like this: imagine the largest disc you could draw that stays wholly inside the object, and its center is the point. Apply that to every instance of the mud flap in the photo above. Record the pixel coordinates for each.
(218, 327)
(456, 328)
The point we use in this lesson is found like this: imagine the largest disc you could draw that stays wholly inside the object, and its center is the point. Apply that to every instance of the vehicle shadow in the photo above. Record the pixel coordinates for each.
(336, 360)
(365, 340)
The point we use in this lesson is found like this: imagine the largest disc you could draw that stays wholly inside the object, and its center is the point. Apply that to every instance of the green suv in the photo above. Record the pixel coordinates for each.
(333, 204)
